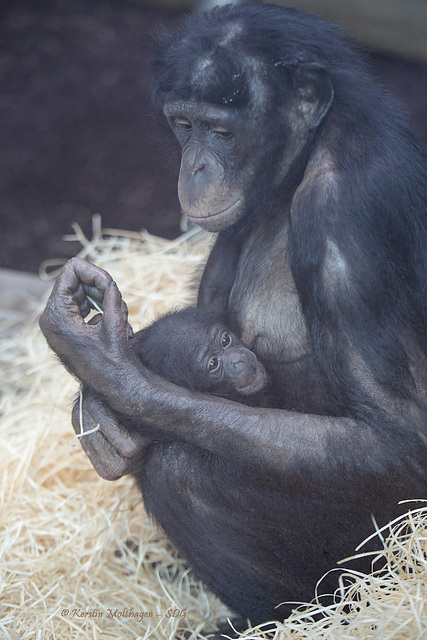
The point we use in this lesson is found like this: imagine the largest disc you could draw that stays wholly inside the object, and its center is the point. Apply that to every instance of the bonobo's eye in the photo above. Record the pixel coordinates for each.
(222, 132)
(181, 123)
(225, 339)
(213, 364)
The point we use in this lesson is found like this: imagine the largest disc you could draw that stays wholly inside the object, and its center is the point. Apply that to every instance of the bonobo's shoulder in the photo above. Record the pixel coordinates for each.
(321, 180)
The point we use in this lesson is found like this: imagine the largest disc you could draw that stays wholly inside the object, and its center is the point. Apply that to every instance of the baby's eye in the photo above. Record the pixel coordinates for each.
(226, 339)
(213, 364)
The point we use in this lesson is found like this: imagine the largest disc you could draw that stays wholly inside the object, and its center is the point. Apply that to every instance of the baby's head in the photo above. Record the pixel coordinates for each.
(194, 348)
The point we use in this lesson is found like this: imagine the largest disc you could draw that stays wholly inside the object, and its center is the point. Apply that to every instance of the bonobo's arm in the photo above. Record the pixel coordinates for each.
(102, 357)
(218, 276)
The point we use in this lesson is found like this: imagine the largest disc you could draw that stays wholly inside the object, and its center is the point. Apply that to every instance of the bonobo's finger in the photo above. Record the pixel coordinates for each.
(116, 299)
(98, 318)
(90, 275)
(79, 294)
(88, 298)
(125, 310)
(125, 315)
(115, 310)
(127, 444)
(96, 295)
(68, 297)
(78, 272)
(109, 464)
(95, 319)
(129, 331)
(111, 449)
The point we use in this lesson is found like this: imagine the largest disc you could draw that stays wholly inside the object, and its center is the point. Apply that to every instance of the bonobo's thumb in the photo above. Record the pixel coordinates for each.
(115, 311)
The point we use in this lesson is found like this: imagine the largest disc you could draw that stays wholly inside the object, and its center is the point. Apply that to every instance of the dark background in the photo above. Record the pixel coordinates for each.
(77, 132)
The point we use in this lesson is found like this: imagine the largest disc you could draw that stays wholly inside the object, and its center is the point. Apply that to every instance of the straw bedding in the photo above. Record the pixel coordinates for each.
(79, 557)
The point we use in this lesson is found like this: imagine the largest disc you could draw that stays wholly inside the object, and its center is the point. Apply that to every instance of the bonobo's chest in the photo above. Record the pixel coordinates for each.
(264, 300)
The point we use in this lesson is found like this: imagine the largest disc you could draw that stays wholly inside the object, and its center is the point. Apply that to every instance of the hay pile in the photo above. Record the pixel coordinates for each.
(78, 556)
(389, 604)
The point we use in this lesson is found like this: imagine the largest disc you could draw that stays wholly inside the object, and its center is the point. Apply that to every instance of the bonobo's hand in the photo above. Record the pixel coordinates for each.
(113, 450)
(89, 350)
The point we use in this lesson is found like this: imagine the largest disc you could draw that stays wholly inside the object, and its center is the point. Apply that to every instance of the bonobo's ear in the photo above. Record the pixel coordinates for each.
(314, 93)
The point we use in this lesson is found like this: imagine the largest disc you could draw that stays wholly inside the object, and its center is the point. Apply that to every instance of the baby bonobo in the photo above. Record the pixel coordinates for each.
(194, 348)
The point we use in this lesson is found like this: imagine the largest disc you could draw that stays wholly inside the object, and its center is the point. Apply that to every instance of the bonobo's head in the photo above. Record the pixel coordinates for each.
(194, 348)
(244, 89)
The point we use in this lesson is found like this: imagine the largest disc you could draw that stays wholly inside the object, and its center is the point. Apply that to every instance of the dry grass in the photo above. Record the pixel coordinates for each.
(389, 604)
(71, 542)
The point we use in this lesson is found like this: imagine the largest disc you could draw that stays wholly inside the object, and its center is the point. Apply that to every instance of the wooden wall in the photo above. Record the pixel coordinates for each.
(393, 26)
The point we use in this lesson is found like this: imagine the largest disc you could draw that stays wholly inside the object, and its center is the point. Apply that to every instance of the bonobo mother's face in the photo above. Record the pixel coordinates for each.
(240, 142)
(242, 119)
(215, 170)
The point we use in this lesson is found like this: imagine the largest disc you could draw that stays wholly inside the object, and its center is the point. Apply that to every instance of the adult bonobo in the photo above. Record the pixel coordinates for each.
(318, 190)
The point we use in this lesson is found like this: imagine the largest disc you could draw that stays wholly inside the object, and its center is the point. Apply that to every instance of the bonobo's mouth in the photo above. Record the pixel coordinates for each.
(211, 216)
(258, 382)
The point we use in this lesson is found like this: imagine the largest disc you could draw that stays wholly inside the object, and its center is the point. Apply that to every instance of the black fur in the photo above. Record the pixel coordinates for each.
(309, 173)
(372, 211)
(180, 347)
(378, 217)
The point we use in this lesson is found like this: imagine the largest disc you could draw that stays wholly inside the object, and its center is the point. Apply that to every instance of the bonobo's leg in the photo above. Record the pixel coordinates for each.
(199, 505)
(252, 542)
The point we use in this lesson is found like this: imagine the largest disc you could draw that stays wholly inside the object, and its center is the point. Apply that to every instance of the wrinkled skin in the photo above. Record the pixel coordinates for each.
(318, 192)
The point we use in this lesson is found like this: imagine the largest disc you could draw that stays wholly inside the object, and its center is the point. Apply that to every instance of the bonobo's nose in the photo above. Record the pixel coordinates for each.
(237, 362)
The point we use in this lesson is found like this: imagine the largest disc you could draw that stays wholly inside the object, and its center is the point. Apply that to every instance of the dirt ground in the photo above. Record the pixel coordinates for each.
(77, 132)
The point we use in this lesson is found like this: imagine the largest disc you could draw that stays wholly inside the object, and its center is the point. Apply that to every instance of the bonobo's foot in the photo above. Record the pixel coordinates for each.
(113, 449)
